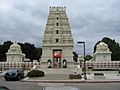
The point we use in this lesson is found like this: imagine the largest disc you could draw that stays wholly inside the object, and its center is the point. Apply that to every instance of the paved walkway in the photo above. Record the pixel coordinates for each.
(63, 78)
(110, 76)
(54, 77)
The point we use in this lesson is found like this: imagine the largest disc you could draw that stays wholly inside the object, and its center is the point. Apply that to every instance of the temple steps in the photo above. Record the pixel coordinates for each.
(58, 70)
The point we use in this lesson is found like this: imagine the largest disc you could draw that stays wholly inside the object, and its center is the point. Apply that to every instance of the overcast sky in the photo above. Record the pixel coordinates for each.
(90, 20)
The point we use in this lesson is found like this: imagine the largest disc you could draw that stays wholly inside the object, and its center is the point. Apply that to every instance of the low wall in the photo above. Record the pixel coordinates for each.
(100, 65)
(20, 65)
(29, 65)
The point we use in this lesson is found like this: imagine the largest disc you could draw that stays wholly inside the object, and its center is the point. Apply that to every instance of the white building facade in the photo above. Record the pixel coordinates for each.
(57, 44)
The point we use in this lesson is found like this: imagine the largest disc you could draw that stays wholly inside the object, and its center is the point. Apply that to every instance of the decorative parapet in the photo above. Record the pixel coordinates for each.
(57, 8)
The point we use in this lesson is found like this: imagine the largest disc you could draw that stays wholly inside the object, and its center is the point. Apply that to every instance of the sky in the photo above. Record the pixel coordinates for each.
(90, 20)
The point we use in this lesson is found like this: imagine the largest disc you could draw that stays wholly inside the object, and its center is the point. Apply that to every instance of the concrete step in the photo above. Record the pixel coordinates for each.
(58, 70)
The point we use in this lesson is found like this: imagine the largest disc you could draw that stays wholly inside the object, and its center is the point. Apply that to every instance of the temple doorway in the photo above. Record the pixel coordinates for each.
(57, 58)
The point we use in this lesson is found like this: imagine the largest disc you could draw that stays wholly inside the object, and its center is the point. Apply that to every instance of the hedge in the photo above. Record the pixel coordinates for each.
(35, 73)
(72, 76)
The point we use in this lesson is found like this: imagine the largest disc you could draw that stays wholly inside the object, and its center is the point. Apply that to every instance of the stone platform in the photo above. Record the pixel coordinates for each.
(58, 70)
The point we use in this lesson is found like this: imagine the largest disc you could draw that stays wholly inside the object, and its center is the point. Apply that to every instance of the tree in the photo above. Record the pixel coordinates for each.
(31, 51)
(39, 53)
(3, 49)
(113, 46)
(75, 56)
(0, 52)
(88, 57)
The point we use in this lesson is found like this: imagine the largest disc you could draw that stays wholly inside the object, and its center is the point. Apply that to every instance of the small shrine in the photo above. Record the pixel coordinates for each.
(15, 54)
(102, 54)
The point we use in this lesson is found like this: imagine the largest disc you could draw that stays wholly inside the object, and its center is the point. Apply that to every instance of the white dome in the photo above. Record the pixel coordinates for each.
(102, 47)
(15, 48)
(14, 45)
(102, 44)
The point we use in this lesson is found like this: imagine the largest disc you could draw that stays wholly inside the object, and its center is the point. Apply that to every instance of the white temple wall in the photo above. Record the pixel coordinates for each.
(48, 54)
(14, 58)
(102, 57)
(102, 54)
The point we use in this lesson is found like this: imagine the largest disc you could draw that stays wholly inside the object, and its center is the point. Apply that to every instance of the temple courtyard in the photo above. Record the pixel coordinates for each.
(109, 76)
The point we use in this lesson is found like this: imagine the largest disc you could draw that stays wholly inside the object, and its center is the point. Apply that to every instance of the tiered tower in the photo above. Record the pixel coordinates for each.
(57, 45)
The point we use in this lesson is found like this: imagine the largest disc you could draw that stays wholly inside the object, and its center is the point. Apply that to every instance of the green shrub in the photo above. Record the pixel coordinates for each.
(72, 76)
(35, 73)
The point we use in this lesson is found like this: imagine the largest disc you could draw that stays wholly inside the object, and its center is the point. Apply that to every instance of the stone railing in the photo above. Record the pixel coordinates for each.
(111, 65)
(100, 65)
(29, 65)
(20, 65)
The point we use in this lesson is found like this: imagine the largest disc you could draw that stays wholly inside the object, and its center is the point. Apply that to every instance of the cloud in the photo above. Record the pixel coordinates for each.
(90, 20)
(22, 20)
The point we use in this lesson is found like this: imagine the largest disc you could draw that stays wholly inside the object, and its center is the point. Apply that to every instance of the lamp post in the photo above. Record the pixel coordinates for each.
(85, 77)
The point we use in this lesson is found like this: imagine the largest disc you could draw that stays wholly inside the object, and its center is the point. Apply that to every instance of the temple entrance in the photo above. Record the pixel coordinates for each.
(57, 58)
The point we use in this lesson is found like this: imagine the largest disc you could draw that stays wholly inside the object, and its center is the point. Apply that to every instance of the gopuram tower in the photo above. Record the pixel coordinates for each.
(57, 44)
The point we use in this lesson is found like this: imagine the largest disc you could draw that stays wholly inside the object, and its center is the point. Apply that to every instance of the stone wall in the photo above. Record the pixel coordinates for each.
(29, 65)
